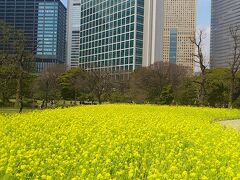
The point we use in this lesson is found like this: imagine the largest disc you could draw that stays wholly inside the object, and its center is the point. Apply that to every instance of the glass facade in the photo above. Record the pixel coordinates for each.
(173, 46)
(21, 15)
(111, 34)
(44, 25)
(225, 13)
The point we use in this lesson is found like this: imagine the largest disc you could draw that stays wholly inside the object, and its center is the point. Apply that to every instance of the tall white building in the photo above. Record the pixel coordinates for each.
(168, 27)
(73, 33)
(153, 32)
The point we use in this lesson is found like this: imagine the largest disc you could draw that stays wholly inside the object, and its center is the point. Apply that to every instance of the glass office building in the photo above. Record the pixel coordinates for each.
(44, 25)
(111, 34)
(225, 13)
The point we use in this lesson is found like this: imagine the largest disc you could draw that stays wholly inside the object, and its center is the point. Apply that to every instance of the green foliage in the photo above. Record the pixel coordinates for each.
(29, 80)
(186, 93)
(236, 103)
(217, 87)
(167, 96)
(118, 97)
(67, 93)
(73, 84)
(14, 61)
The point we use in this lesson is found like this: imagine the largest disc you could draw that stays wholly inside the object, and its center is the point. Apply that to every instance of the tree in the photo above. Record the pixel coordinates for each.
(217, 87)
(167, 96)
(22, 57)
(100, 84)
(47, 82)
(235, 62)
(74, 83)
(187, 92)
(121, 89)
(7, 70)
(200, 59)
(16, 57)
(148, 83)
(7, 86)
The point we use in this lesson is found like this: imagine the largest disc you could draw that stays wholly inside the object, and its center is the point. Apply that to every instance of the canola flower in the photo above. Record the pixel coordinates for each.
(119, 142)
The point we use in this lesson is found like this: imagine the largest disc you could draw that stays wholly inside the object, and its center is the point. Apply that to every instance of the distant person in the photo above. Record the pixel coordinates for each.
(21, 107)
(54, 103)
(42, 105)
(51, 103)
(173, 103)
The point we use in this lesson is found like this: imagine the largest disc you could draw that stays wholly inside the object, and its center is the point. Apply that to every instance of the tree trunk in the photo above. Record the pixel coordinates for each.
(19, 98)
(99, 99)
(202, 90)
(75, 96)
(231, 93)
(46, 94)
(4, 100)
(201, 96)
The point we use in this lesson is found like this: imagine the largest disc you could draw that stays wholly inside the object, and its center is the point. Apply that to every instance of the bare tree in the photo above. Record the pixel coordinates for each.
(148, 83)
(235, 61)
(200, 59)
(47, 81)
(100, 83)
(78, 82)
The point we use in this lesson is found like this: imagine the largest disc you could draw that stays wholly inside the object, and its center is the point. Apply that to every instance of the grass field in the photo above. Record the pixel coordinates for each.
(13, 110)
(121, 142)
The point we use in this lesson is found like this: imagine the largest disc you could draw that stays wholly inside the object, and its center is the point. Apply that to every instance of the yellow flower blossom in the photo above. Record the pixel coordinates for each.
(120, 142)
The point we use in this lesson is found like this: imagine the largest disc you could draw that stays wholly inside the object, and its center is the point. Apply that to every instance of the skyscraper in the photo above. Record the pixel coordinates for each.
(111, 34)
(153, 32)
(123, 35)
(169, 25)
(225, 14)
(73, 33)
(43, 23)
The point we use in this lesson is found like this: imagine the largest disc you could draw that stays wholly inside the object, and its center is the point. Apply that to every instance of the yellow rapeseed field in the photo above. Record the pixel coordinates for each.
(119, 142)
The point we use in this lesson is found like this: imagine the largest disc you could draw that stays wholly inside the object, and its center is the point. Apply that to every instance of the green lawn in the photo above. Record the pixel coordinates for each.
(12, 110)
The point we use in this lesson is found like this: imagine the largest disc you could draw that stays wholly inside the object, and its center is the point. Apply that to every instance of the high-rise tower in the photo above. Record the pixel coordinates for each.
(225, 14)
(123, 35)
(168, 26)
(43, 23)
(73, 33)
(111, 34)
(153, 32)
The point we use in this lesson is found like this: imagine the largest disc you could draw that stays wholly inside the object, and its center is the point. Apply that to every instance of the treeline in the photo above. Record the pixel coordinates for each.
(162, 83)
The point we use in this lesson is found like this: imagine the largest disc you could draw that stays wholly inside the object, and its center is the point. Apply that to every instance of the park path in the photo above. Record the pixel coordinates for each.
(231, 123)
